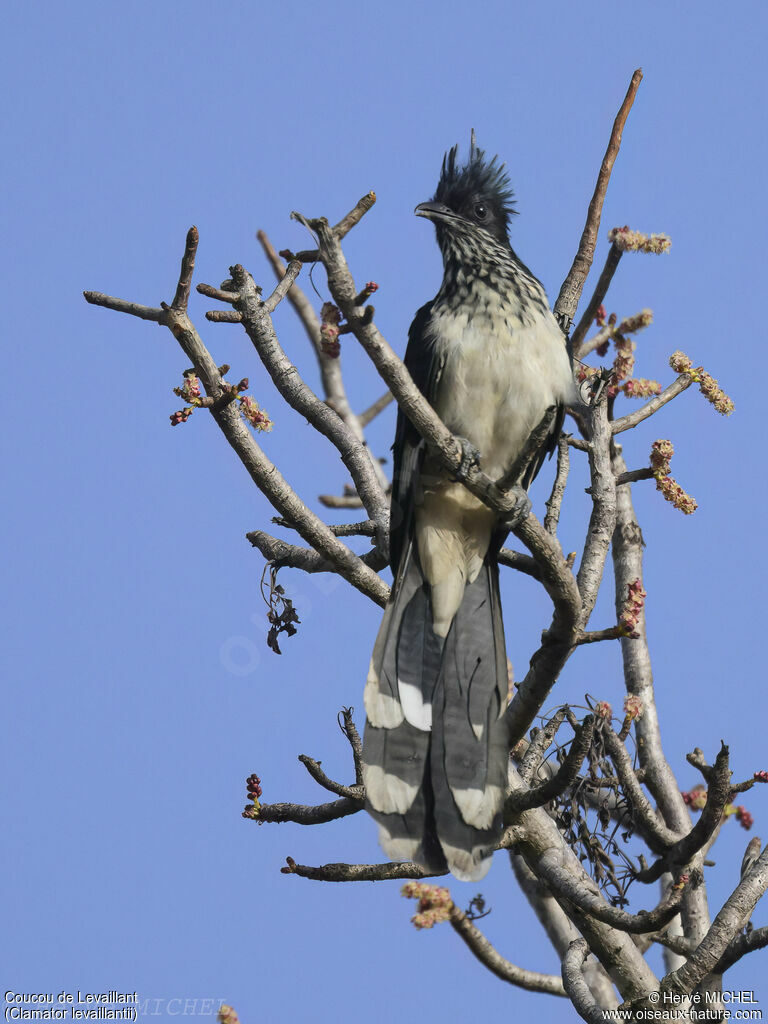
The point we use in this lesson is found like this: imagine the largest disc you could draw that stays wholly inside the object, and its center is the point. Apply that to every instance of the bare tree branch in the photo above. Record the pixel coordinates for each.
(555, 500)
(683, 381)
(536, 836)
(603, 516)
(741, 946)
(570, 292)
(358, 872)
(628, 568)
(520, 800)
(123, 306)
(560, 929)
(303, 814)
(647, 820)
(286, 378)
(683, 850)
(330, 369)
(588, 899)
(348, 727)
(265, 475)
(366, 528)
(731, 919)
(601, 288)
(517, 560)
(489, 957)
(539, 744)
(576, 986)
(317, 773)
(293, 556)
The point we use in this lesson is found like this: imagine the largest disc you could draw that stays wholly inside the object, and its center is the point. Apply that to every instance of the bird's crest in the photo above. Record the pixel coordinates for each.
(479, 176)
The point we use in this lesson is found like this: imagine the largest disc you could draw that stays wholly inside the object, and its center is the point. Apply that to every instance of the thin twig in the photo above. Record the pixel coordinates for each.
(181, 298)
(555, 500)
(633, 475)
(367, 528)
(358, 872)
(601, 288)
(373, 410)
(570, 292)
(123, 306)
(317, 773)
(598, 635)
(517, 560)
(340, 500)
(294, 556)
(302, 814)
(653, 405)
(349, 729)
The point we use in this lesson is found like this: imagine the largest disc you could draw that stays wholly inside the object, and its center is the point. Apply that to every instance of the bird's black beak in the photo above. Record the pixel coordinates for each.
(435, 212)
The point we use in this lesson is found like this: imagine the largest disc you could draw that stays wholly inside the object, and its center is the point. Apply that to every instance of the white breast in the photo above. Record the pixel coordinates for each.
(499, 378)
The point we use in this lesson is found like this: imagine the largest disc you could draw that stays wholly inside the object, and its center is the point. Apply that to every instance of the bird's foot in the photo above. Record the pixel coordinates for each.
(522, 507)
(470, 457)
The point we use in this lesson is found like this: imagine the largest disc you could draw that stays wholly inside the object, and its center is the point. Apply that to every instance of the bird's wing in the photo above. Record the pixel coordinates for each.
(425, 367)
(556, 416)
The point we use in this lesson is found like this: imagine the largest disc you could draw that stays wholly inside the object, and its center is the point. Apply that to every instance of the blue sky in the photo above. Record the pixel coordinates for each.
(139, 690)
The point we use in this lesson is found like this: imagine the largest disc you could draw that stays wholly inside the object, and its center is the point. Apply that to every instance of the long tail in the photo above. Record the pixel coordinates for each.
(436, 743)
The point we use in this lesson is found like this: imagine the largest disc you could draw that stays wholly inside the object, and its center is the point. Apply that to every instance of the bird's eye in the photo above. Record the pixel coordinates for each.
(481, 211)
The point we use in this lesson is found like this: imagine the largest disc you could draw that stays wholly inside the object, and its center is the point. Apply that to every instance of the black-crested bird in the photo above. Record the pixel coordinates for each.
(488, 355)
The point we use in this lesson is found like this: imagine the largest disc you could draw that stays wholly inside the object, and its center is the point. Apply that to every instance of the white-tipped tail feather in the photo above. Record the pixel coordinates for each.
(386, 792)
(479, 807)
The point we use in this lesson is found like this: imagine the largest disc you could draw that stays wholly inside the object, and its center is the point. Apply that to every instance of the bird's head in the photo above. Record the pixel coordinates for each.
(471, 203)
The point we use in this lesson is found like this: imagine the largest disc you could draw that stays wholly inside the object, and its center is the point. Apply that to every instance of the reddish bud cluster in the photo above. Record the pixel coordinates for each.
(435, 903)
(681, 882)
(695, 798)
(600, 316)
(633, 606)
(628, 240)
(253, 785)
(227, 1015)
(190, 389)
(633, 324)
(640, 387)
(604, 710)
(330, 318)
(257, 417)
(181, 416)
(624, 363)
(761, 776)
(744, 818)
(329, 340)
(190, 392)
(633, 706)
